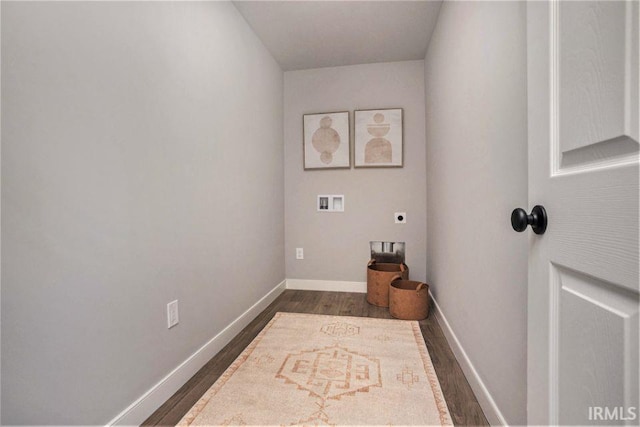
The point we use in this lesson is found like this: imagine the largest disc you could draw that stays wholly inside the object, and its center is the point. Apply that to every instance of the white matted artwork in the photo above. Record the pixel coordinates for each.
(378, 141)
(326, 142)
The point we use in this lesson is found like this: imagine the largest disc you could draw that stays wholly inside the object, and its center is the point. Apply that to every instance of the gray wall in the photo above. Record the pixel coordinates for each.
(336, 245)
(476, 132)
(142, 161)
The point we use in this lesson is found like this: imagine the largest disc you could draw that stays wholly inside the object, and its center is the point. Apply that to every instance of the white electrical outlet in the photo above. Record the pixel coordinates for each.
(172, 314)
(299, 253)
(400, 217)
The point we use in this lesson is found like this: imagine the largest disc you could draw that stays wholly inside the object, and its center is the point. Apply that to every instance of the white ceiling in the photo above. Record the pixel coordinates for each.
(315, 34)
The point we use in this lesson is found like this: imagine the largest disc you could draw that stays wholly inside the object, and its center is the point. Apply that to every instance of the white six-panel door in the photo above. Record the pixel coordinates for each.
(583, 91)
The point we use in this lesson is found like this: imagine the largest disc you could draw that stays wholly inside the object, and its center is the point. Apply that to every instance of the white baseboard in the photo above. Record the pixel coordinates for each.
(142, 408)
(488, 405)
(326, 285)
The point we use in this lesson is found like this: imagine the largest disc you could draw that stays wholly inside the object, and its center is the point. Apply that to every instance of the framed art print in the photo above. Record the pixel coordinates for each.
(326, 142)
(378, 141)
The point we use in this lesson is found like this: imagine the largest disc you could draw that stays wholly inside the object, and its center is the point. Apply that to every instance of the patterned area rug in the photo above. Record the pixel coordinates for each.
(305, 369)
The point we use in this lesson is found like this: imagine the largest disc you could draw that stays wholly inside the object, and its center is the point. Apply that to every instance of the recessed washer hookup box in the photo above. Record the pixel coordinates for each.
(388, 252)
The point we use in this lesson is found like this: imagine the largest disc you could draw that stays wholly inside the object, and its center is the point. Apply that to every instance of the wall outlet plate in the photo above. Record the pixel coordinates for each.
(400, 217)
(172, 314)
(299, 253)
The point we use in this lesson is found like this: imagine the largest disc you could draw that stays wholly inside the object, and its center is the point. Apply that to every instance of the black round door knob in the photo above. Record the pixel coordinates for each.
(537, 219)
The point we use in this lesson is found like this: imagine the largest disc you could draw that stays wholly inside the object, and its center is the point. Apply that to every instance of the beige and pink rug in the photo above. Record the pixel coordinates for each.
(305, 369)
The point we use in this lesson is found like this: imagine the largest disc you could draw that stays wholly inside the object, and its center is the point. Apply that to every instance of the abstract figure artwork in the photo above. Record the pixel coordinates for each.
(378, 149)
(378, 141)
(326, 141)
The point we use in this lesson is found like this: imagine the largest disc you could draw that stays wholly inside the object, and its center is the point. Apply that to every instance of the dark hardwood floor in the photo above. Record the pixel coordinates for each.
(463, 406)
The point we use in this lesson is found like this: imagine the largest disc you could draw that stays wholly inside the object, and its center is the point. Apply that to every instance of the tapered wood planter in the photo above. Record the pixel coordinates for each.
(408, 299)
(379, 277)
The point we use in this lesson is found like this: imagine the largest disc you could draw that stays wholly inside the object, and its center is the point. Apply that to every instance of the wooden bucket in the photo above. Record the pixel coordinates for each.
(408, 299)
(379, 277)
